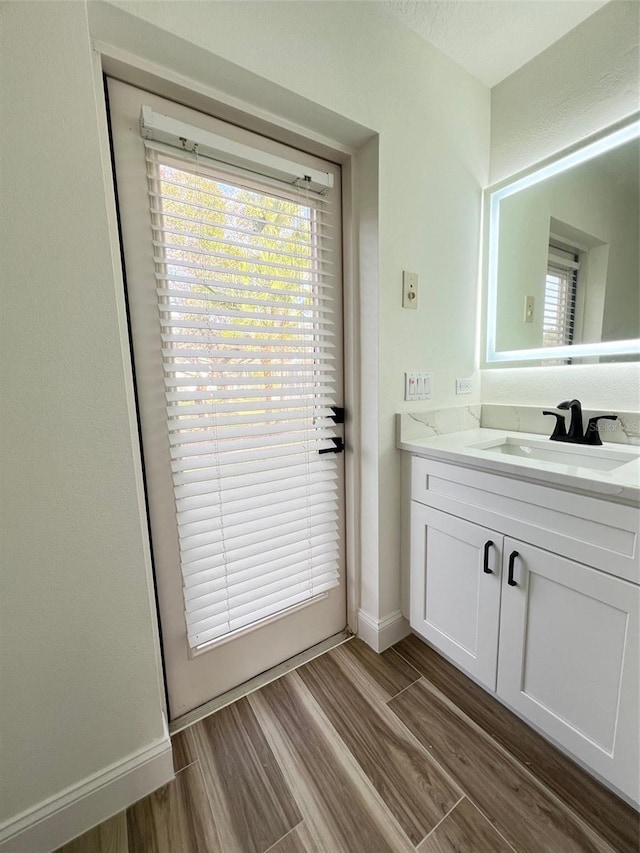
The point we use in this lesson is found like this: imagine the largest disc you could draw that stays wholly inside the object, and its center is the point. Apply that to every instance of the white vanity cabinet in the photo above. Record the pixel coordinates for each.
(534, 592)
(455, 604)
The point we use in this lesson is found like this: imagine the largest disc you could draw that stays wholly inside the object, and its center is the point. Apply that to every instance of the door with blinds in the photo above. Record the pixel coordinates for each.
(232, 259)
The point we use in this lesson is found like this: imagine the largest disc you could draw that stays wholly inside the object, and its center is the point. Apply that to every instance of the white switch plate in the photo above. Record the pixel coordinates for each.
(417, 386)
(464, 386)
(528, 309)
(409, 289)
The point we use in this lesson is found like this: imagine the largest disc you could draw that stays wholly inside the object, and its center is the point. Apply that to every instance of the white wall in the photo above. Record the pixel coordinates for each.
(432, 118)
(80, 683)
(79, 678)
(584, 82)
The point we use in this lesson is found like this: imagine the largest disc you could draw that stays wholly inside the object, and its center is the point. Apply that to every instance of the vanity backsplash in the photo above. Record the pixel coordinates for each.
(416, 425)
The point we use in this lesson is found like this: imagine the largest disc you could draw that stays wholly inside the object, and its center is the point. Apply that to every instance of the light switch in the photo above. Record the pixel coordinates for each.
(409, 289)
(417, 386)
(528, 309)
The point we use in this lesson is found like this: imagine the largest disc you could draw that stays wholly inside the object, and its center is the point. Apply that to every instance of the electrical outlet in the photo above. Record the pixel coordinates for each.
(417, 386)
(463, 386)
(409, 289)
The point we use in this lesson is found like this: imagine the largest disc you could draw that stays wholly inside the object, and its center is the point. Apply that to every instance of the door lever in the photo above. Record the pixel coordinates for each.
(338, 414)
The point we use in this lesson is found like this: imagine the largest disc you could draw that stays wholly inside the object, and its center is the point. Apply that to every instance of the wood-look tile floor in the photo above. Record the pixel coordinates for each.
(362, 753)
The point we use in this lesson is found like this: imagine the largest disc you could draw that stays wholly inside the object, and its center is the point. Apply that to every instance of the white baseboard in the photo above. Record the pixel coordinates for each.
(380, 634)
(96, 798)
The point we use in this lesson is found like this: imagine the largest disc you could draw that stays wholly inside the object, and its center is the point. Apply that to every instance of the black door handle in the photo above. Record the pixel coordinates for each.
(512, 559)
(338, 414)
(338, 448)
(485, 563)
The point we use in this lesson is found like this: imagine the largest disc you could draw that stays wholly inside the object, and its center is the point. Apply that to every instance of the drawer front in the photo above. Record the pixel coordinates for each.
(592, 531)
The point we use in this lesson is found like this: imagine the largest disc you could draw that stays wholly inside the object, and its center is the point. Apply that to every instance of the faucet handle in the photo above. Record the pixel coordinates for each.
(592, 434)
(560, 429)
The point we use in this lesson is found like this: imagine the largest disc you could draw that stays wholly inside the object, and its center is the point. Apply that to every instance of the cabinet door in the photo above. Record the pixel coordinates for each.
(569, 658)
(455, 589)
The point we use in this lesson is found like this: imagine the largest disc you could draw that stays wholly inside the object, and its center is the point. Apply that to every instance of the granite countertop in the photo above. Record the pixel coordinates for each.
(473, 449)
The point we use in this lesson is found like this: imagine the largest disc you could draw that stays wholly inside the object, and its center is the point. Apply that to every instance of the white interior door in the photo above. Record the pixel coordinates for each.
(232, 250)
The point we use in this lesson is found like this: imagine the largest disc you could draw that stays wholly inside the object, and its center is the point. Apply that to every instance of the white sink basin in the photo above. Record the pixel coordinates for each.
(574, 455)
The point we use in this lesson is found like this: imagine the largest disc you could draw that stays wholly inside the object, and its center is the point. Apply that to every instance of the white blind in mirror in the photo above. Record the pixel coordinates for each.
(245, 301)
(560, 298)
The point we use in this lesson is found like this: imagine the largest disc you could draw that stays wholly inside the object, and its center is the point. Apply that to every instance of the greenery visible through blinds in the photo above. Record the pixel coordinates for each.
(244, 284)
(560, 298)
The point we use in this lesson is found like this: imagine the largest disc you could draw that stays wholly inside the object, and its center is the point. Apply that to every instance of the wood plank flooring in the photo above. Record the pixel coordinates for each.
(362, 753)
(609, 816)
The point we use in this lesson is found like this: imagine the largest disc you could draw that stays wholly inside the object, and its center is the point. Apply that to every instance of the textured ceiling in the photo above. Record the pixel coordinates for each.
(492, 38)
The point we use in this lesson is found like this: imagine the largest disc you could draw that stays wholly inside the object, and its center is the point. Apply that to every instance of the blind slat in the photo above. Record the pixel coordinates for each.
(223, 530)
(253, 549)
(308, 262)
(236, 476)
(199, 520)
(324, 554)
(197, 582)
(249, 232)
(256, 615)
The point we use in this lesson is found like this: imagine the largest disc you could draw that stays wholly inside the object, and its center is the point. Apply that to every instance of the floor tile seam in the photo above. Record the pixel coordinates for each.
(489, 736)
(407, 662)
(410, 735)
(432, 759)
(590, 831)
(184, 766)
(192, 744)
(490, 822)
(351, 767)
(354, 671)
(288, 832)
(442, 819)
(400, 692)
(273, 748)
(211, 808)
(526, 767)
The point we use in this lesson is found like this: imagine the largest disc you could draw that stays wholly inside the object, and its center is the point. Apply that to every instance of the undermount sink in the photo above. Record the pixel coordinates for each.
(574, 455)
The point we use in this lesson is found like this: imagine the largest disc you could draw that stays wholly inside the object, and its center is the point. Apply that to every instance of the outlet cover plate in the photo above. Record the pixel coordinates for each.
(464, 386)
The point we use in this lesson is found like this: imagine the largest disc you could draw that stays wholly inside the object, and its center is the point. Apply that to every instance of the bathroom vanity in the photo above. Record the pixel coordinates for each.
(524, 572)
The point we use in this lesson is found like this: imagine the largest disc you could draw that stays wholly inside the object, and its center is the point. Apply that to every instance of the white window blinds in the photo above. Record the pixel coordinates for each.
(560, 298)
(245, 302)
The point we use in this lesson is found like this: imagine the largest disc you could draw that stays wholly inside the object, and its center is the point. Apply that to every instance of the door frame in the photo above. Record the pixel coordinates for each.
(162, 81)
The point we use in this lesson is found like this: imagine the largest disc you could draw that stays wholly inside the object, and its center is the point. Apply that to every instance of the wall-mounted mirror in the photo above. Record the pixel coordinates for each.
(562, 260)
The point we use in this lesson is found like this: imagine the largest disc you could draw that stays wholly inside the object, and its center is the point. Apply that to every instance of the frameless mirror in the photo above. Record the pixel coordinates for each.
(563, 257)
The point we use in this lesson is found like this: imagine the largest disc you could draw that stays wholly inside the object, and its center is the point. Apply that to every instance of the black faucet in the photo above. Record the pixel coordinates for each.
(576, 435)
